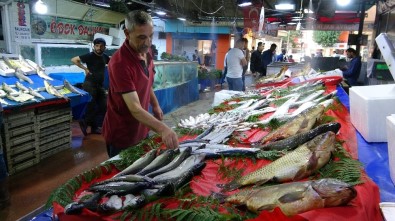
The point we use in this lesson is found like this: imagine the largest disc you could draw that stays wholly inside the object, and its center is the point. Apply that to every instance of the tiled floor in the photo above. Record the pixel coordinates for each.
(31, 188)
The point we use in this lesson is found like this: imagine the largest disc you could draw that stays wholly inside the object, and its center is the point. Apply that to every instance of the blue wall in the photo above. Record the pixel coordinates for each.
(176, 26)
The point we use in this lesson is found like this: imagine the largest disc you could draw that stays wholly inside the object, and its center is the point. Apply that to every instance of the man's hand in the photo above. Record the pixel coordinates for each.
(158, 113)
(87, 72)
(169, 138)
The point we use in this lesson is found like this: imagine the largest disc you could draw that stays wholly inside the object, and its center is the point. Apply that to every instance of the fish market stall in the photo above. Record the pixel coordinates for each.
(216, 168)
(37, 114)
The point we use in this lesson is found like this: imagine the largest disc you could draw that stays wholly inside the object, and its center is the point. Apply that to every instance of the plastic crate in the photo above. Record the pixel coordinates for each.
(55, 143)
(11, 151)
(21, 157)
(54, 150)
(53, 137)
(8, 117)
(54, 121)
(18, 122)
(49, 108)
(12, 169)
(15, 141)
(17, 131)
(42, 133)
(53, 114)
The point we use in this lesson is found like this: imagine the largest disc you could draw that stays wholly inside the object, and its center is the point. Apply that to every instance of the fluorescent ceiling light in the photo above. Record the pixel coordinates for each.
(245, 4)
(182, 19)
(291, 23)
(275, 23)
(161, 13)
(285, 6)
(101, 3)
(298, 26)
(40, 7)
(308, 11)
(343, 2)
(296, 19)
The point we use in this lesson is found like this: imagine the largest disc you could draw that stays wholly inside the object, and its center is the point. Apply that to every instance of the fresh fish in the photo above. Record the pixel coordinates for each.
(11, 97)
(71, 87)
(226, 152)
(126, 178)
(138, 164)
(4, 102)
(310, 97)
(8, 89)
(281, 111)
(120, 188)
(2, 93)
(207, 131)
(193, 141)
(21, 87)
(8, 62)
(41, 73)
(292, 142)
(4, 66)
(304, 122)
(51, 90)
(158, 191)
(21, 75)
(295, 165)
(35, 93)
(91, 203)
(173, 164)
(184, 167)
(133, 202)
(24, 63)
(296, 197)
(160, 161)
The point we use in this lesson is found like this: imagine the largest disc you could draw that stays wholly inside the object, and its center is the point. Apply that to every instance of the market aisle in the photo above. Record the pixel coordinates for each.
(31, 188)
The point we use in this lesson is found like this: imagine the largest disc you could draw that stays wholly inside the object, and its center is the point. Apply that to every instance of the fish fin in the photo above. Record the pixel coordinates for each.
(291, 197)
(300, 174)
(304, 124)
(268, 207)
(261, 182)
(313, 161)
(218, 196)
(229, 186)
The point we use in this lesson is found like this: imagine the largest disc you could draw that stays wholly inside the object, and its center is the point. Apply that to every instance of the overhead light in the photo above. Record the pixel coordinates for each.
(160, 13)
(244, 3)
(343, 2)
(275, 23)
(291, 23)
(296, 19)
(285, 6)
(182, 19)
(308, 11)
(40, 7)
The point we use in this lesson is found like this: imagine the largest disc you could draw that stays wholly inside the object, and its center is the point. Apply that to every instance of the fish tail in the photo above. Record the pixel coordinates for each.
(218, 196)
(229, 186)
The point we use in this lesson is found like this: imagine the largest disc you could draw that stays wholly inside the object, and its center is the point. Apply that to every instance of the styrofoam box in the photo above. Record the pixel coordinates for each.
(107, 38)
(369, 107)
(116, 33)
(391, 145)
(118, 41)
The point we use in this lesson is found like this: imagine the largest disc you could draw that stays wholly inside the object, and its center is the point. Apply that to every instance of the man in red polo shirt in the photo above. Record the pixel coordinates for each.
(131, 75)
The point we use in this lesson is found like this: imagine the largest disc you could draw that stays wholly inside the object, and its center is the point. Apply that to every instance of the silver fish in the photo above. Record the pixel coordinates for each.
(25, 63)
(7, 88)
(42, 73)
(21, 75)
(139, 164)
(35, 93)
(4, 102)
(158, 162)
(70, 87)
(51, 90)
(2, 93)
(21, 87)
(8, 63)
(173, 164)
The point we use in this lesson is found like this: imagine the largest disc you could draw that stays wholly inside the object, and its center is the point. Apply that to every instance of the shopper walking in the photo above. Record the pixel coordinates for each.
(256, 64)
(246, 52)
(4, 194)
(268, 57)
(235, 61)
(93, 84)
(131, 74)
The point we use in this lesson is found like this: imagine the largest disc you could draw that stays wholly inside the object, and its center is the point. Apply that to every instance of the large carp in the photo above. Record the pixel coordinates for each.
(302, 123)
(295, 165)
(296, 197)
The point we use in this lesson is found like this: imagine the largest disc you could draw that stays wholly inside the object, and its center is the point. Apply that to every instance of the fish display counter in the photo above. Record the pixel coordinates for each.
(212, 172)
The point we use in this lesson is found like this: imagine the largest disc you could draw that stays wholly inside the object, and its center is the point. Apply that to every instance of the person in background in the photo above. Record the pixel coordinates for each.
(290, 59)
(281, 57)
(235, 61)
(4, 194)
(267, 58)
(351, 73)
(93, 84)
(131, 74)
(256, 64)
(246, 52)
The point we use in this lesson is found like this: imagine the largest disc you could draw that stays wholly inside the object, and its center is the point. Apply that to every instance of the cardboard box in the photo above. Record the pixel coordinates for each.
(117, 33)
(369, 107)
(107, 38)
(391, 145)
(118, 41)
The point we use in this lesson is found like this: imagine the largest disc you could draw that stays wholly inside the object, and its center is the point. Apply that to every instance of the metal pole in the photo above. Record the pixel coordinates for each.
(360, 29)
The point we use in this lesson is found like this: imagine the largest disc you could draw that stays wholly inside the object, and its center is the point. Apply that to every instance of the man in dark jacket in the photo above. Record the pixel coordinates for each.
(351, 73)
(268, 57)
(256, 64)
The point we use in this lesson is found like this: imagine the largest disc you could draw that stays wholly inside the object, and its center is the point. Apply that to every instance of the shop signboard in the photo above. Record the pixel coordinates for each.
(51, 27)
(22, 34)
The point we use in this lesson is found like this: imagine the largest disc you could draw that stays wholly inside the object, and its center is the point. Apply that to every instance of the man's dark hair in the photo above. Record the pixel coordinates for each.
(352, 50)
(260, 43)
(245, 40)
(273, 46)
(99, 41)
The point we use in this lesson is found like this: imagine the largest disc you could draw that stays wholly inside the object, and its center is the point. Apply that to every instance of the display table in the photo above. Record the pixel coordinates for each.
(365, 207)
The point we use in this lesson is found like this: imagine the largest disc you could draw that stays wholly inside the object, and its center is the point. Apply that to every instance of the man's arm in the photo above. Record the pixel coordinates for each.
(158, 113)
(169, 137)
(77, 61)
(352, 70)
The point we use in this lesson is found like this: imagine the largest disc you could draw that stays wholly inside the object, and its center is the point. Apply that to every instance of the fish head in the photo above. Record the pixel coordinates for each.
(323, 143)
(334, 192)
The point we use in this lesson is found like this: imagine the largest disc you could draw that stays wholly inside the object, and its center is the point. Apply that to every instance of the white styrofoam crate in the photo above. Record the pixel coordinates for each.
(369, 107)
(391, 145)
(118, 41)
(107, 38)
(117, 33)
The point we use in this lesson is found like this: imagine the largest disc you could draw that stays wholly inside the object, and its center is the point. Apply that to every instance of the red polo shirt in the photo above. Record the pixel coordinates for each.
(126, 74)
